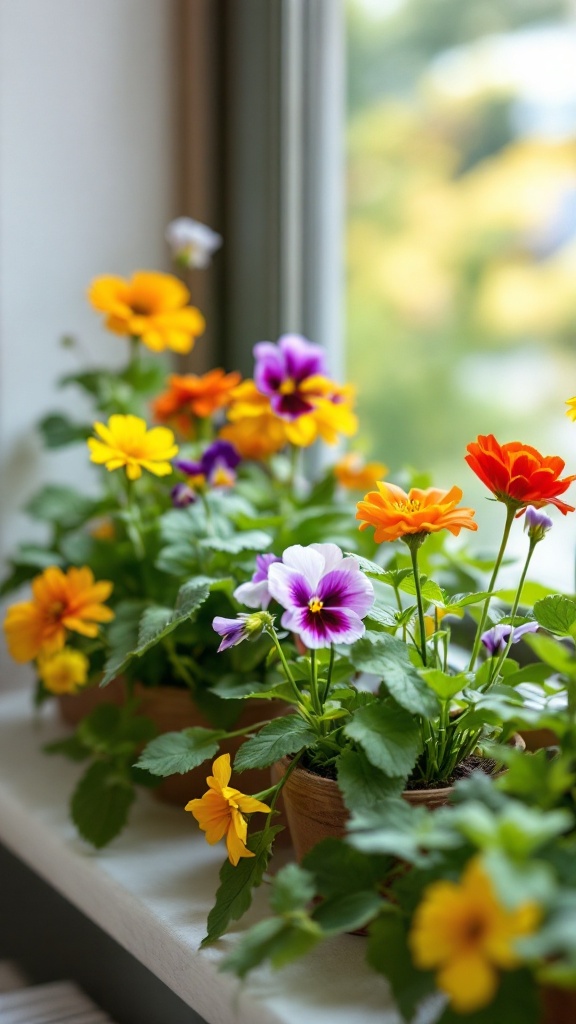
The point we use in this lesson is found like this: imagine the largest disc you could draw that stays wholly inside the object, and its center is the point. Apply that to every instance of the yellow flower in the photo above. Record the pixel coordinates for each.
(60, 602)
(571, 410)
(64, 672)
(125, 441)
(464, 931)
(331, 416)
(151, 307)
(356, 475)
(221, 811)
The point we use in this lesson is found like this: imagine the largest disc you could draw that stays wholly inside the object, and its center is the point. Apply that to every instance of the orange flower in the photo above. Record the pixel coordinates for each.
(220, 812)
(519, 475)
(60, 602)
(151, 307)
(192, 396)
(354, 474)
(396, 514)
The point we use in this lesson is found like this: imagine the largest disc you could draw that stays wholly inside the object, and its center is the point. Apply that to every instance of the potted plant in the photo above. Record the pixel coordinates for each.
(430, 709)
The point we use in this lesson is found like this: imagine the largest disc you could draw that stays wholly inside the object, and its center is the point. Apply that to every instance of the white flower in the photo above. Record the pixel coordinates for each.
(192, 243)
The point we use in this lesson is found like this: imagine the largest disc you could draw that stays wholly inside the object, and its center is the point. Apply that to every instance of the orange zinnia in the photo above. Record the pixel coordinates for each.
(193, 396)
(396, 515)
(61, 601)
(518, 474)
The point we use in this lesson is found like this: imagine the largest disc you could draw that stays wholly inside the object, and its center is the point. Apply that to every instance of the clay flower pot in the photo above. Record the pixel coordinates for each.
(558, 1005)
(315, 809)
(172, 709)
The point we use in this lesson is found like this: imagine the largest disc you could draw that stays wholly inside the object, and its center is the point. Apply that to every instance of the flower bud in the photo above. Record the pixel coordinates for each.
(537, 523)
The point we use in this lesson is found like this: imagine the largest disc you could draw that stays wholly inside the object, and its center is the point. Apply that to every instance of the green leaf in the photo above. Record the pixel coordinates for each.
(292, 889)
(516, 1002)
(387, 657)
(72, 747)
(174, 753)
(443, 684)
(157, 623)
(363, 786)
(388, 954)
(339, 870)
(101, 802)
(388, 735)
(554, 653)
(58, 431)
(285, 735)
(122, 637)
(277, 939)
(234, 894)
(556, 614)
(250, 540)
(348, 912)
(62, 506)
(429, 589)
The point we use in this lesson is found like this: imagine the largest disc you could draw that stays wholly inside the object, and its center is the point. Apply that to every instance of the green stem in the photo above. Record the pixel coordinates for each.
(289, 677)
(413, 544)
(499, 662)
(510, 513)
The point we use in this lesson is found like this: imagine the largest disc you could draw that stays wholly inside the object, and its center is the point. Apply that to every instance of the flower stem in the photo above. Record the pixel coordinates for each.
(290, 678)
(414, 543)
(499, 662)
(511, 511)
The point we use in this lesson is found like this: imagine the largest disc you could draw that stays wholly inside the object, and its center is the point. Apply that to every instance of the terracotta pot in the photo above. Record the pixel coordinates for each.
(538, 739)
(173, 709)
(558, 1005)
(315, 809)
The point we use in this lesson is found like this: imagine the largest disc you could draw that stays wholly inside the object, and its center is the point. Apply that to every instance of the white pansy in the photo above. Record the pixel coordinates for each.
(192, 243)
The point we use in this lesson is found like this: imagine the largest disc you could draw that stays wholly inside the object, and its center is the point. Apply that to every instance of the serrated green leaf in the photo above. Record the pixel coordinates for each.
(122, 637)
(234, 895)
(101, 802)
(338, 869)
(62, 506)
(285, 735)
(292, 889)
(443, 684)
(348, 912)
(58, 431)
(249, 540)
(429, 589)
(387, 657)
(157, 623)
(556, 614)
(174, 753)
(388, 735)
(364, 786)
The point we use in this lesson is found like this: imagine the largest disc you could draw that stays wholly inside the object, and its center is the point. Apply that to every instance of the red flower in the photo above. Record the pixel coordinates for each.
(518, 474)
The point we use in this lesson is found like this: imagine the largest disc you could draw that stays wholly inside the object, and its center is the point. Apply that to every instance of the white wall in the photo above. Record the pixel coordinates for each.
(88, 154)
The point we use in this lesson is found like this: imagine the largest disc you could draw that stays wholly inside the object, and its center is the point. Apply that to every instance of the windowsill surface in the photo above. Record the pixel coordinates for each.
(152, 888)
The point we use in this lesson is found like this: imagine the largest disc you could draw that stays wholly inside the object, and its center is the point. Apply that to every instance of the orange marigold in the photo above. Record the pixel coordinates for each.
(61, 601)
(354, 474)
(396, 515)
(150, 306)
(190, 396)
(518, 474)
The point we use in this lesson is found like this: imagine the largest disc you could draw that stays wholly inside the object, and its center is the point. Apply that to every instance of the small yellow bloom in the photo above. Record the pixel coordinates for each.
(463, 931)
(64, 672)
(354, 474)
(571, 410)
(60, 602)
(151, 307)
(126, 441)
(221, 811)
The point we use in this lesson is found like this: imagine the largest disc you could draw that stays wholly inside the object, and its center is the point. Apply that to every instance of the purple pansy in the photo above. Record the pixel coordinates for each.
(537, 523)
(216, 465)
(182, 495)
(325, 595)
(255, 593)
(281, 369)
(496, 639)
(243, 627)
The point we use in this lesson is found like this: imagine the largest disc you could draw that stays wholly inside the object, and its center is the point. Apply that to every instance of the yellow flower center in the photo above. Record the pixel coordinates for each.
(411, 505)
(288, 387)
(315, 604)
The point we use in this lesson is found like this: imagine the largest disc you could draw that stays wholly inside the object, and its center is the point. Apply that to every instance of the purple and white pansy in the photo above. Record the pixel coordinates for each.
(282, 369)
(324, 594)
(216, 467)
(496, 639)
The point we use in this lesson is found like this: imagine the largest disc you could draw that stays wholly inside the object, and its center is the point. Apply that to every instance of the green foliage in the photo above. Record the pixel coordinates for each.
(339, 870)
(285, 735)
(58, 431)
(363, 786)
(63, 507)
(388, 954)
(101, 802)
(293, 888)
(174, 753)
(347, 912)
(557, 614)
(385, 656)
(388, 735)
(234, 895)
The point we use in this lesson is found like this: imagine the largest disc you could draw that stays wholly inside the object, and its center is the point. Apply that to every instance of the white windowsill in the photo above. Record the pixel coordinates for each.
(151, 890)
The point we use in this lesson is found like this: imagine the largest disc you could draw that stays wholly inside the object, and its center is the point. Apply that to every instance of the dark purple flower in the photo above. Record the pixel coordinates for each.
(537, 523)
(243, 627)
(216, 466)
(325, 595)
(282, 369)
(255, 593)
(182, 495)
(496, 639)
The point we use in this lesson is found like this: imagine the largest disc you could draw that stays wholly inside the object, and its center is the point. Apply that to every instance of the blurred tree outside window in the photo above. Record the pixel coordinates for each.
(461, 234)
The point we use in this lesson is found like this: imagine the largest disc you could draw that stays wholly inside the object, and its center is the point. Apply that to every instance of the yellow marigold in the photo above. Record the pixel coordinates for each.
(150, 306)
(396, 515)
(191, 396)
(463, 931)
(61, 601)
(221, 811)
(354, 474)
(126, 441)
(63, 672)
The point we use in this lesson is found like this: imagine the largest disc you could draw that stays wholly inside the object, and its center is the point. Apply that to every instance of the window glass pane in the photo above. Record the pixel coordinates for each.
(461, 235)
